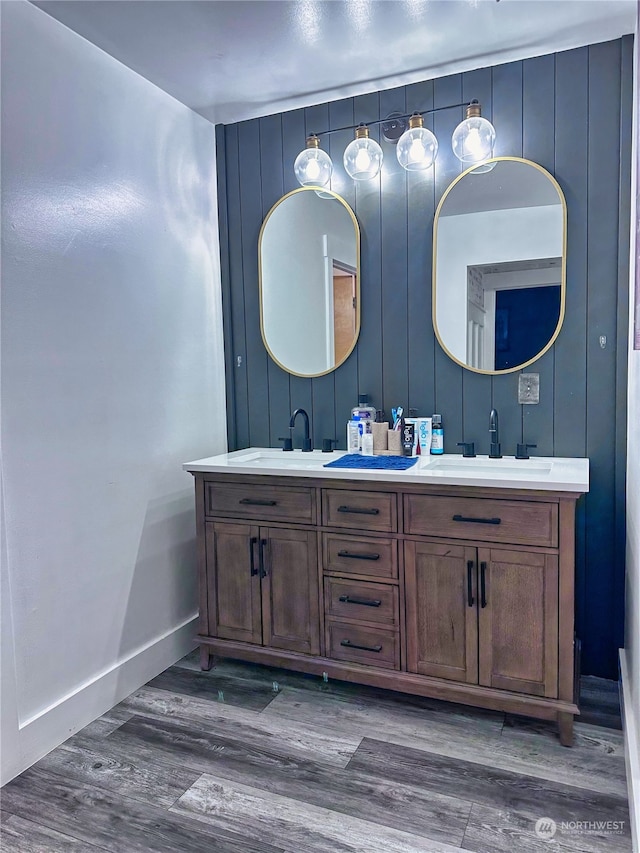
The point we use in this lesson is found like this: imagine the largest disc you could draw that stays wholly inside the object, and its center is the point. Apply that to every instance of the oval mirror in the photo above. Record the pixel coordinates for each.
(499, 258)
(309, 253)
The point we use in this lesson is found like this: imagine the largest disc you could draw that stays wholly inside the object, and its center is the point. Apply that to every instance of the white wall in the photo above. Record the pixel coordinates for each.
(630, 655)
(112, 376)
(487, 237)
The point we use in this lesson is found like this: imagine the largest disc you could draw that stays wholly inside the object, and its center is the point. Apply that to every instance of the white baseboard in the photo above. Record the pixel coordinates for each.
(631, 726)
(44, 731)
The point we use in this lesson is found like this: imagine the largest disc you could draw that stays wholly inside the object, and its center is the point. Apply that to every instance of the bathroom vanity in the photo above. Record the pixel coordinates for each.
(453, 579)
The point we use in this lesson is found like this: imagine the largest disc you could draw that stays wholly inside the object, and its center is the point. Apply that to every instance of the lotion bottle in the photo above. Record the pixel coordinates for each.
(367, 438)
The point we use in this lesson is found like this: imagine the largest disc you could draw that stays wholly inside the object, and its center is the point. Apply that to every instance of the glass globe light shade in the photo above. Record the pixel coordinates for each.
(313, 166)
(417, 147)
(474, 138)
(362, 157)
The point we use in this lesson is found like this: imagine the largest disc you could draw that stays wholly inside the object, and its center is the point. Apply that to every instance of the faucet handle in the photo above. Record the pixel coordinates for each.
(327, 444)
(522, 450)
(468, 449)
(288, 442)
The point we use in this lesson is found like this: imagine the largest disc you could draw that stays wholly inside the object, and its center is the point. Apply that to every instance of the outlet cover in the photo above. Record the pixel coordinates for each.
(528, 388)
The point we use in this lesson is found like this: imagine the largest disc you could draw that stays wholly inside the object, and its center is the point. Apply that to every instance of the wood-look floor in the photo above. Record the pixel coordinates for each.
(247, 759)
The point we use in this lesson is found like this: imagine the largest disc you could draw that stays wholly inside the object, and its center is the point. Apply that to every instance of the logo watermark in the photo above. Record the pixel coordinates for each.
(546, 828)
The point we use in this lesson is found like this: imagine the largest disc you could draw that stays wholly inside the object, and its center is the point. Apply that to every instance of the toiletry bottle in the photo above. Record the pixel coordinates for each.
(353, 435)
(363, 409)
(367, 438)
(437, 435)
(408, 433)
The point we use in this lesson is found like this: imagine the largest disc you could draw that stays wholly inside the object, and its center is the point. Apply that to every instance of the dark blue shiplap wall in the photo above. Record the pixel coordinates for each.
(571, 113)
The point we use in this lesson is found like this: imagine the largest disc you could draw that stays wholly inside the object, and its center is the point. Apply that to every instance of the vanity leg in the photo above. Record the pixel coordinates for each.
(206, 658)
(565, 728)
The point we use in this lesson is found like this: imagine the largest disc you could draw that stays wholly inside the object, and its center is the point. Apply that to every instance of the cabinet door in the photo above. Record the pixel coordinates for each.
(233, 582)
(442, 625)
(518, 621)
(290, 590)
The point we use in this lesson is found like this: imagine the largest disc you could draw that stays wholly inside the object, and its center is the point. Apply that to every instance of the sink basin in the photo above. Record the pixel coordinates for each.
(280, 459)
(485, 465)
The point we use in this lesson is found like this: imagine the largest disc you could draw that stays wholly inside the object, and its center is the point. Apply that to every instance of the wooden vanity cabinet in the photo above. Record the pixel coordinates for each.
(484, 616)
(261, 584)
(464, 594)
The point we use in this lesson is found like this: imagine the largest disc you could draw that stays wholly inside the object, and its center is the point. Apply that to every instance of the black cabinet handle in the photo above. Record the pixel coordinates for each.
(252, 546)
(351, 645)
(367, 602)
(354, 556)
(477, 520)
(483, 585)
(359, 510)
(263, 545)
(470, 601)
(257, 502)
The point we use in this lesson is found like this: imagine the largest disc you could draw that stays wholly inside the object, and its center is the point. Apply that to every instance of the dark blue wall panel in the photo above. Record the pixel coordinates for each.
(569, 112)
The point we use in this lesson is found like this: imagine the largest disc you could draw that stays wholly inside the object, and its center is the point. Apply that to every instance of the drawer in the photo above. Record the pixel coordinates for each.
(359, 601)
(371, 646)
(357, 555)
(267, 503)
(360, 510)
(482, 519)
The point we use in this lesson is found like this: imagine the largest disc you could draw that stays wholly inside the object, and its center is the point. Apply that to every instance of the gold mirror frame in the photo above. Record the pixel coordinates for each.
(563, 280)
(326, 193)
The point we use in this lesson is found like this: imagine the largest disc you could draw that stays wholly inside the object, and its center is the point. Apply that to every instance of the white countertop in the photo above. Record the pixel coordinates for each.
(539, 472)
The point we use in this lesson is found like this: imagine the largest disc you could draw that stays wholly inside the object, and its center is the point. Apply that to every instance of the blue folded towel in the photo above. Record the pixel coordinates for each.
(388, 463)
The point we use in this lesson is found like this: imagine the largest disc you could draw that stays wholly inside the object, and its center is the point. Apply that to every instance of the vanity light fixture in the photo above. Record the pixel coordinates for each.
(472, 142)
(313, 166)
(363, 157)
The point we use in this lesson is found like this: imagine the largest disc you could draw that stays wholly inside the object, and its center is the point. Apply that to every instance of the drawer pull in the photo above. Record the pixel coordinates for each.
(355, 556)
(257, 502)
(477, 520)
(483, 585)
(351, 645)
(252, 544)
(359, 510)
(263, 545)
(366, 602)
(470, 601)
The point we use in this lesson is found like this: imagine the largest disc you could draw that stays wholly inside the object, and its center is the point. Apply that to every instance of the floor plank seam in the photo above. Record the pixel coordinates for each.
(186, 791)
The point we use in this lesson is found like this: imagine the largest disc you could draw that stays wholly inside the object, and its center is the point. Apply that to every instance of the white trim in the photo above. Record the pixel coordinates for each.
(631, 726)
(47, 729)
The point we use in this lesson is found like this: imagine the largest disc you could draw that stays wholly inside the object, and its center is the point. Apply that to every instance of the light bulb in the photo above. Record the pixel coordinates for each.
(313, 170)
(473, 145)
(363, 161)
(417, 147)
(362, 157)
(313, 166)
(416, 151)
(474, 138)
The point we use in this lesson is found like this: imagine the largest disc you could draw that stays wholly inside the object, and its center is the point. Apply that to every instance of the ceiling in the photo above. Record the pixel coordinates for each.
(235, 59)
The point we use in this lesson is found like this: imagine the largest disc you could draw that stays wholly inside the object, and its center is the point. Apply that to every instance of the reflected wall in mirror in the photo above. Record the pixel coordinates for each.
(499, 259)
(309, 252)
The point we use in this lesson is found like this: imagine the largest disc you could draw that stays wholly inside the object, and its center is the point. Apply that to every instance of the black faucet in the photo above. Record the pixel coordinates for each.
(494, 452)
(306, 441)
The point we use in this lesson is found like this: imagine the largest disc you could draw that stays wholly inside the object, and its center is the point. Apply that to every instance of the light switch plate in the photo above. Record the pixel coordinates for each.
(528, 388)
